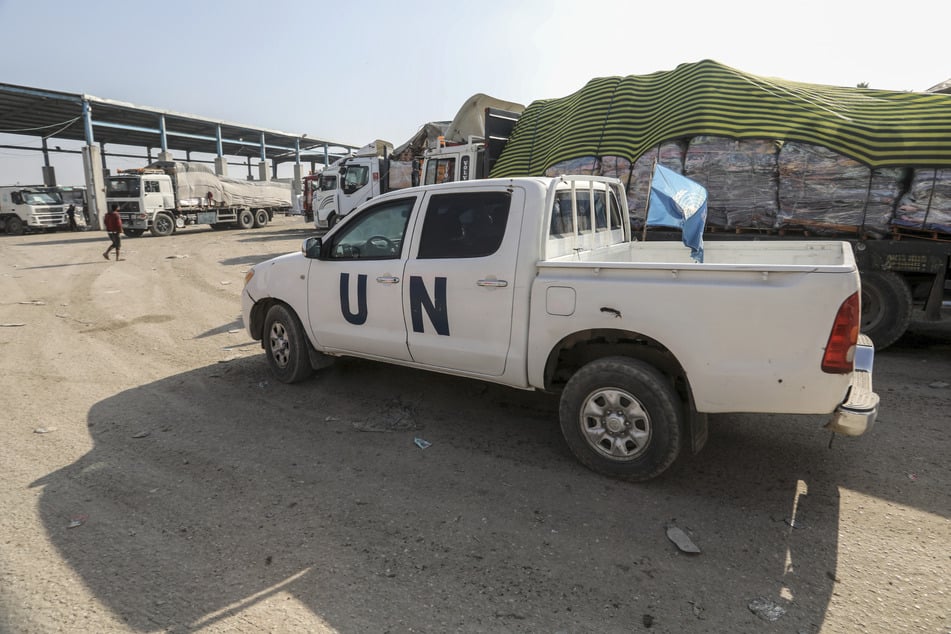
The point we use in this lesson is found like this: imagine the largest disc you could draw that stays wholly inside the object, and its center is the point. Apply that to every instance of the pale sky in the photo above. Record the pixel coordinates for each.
(355, 72)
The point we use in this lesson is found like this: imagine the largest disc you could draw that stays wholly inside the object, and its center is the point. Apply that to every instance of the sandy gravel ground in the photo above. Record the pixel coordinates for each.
(155, 478)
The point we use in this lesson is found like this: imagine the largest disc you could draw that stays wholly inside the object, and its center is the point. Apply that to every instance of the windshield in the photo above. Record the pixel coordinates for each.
(122, 188)
(41, 198)
(328, 182)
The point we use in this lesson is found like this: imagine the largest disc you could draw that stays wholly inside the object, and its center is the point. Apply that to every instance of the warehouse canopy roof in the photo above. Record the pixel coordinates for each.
(52, 114)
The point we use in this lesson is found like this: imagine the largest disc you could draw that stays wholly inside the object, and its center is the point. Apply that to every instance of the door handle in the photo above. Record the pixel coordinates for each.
(492, 283)
(388, 279)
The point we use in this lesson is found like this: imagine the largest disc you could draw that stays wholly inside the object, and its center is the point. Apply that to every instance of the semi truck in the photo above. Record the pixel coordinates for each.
(780, 160)
(31, 208)
(167, 196)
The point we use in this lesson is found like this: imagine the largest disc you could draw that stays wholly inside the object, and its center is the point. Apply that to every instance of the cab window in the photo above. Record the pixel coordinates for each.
(376, 234)
(464, 225)
(355, 177)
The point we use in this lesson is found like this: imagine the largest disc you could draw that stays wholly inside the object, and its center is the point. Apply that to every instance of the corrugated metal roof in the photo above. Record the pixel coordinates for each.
(53, 114)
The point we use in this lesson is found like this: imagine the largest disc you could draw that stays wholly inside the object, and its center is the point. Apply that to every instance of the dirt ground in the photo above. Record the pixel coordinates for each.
(156, 478)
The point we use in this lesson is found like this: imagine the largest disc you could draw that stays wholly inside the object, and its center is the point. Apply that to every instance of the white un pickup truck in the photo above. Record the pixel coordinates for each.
(536, 283)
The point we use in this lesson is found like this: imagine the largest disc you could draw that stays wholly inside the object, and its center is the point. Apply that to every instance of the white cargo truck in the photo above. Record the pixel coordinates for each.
(537, 283)
(167, 196)
(31, 208)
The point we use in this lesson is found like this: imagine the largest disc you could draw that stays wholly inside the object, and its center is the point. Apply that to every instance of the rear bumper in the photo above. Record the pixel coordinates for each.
(857, 414)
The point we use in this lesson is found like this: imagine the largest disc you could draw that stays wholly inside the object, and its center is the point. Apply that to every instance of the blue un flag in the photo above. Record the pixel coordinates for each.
(676, 201)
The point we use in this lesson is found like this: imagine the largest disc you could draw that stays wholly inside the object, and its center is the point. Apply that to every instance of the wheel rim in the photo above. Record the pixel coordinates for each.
(615, 424)
(280, 345)
(163, 224)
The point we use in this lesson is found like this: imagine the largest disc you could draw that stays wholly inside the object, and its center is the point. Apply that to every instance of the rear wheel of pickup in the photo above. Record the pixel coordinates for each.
(163, 225)
(261, 218)
(886, 307)
(622, 418)
(245, 219)
(285, 345)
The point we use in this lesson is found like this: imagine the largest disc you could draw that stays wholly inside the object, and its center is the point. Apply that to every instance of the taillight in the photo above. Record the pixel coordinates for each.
(840, 349)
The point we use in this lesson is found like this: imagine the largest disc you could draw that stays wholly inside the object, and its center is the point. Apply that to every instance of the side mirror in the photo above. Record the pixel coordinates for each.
(311, 247)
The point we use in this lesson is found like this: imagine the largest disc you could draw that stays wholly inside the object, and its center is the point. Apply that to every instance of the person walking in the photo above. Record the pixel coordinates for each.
(113, 224)
(71, 214)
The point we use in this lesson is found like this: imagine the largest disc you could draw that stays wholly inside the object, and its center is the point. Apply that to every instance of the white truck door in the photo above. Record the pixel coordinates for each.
(153, 196)
(460, 279)
(355, 294)
(360, 182)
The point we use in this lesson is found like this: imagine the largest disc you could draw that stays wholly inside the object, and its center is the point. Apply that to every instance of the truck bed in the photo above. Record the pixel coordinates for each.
(807, 255)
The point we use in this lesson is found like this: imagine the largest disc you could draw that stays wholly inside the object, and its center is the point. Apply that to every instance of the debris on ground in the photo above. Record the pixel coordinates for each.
(44, 430)
(141, 434)
(17, 325)
(77, 520)
(939, 384)
(766, 609)
(684, 543)
(422, 444)
(175, 257)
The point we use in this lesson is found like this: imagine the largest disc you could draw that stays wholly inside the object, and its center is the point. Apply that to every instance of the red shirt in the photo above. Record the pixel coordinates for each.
(113, 222)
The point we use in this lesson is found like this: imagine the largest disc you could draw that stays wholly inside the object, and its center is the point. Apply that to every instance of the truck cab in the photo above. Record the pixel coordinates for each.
(454, 162)
(140, 196)
(35, 208)
(350, 182)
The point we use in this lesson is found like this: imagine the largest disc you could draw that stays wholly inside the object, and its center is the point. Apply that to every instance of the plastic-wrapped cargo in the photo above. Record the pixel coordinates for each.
(826, 192)
(741, 179)
(671, 156)
(586, 165)
(194, 182)
(927, 204)
(401, 174)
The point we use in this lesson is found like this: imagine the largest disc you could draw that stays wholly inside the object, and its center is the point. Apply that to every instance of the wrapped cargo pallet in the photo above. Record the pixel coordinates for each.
(927, 204)
(195, 181)
(829, 193)
(741, 179)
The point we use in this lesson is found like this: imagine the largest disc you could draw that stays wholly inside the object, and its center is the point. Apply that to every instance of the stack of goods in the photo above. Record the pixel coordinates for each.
(927, 204)
(740, 177)
(826, 192)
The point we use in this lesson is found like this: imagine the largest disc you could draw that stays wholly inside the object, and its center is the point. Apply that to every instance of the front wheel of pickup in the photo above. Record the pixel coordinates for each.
(285, 345)
(622, 418)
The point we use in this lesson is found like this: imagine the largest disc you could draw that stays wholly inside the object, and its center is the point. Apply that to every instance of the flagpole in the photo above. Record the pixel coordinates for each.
(647, 208)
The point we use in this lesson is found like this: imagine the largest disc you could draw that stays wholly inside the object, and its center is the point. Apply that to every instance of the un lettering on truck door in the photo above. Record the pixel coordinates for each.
(462, 260)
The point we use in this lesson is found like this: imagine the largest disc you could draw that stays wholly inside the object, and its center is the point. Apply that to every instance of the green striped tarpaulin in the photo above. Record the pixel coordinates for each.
(626, 116)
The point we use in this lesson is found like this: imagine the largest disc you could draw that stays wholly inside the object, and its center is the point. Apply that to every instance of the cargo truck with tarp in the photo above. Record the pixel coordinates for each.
(167, 196)
(779, 159)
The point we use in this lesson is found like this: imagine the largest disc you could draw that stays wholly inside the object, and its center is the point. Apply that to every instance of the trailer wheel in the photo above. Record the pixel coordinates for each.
(261, 218)
(886, 307)
(245, 219)
(14, 226)
(285, 345)
(163, 225)
(133, 233)
(622, 418)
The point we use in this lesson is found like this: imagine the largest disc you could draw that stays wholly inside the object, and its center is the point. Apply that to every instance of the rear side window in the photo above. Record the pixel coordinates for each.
(464, 225)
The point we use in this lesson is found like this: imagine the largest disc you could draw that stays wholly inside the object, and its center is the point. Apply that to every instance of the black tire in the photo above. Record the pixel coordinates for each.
(622, 418)
(332, 220)
(133, 233)
(245, 219)
(285, 345)
(886, 307)
(14, 226)
(261, 218)
(218, 226)
(162, 225)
